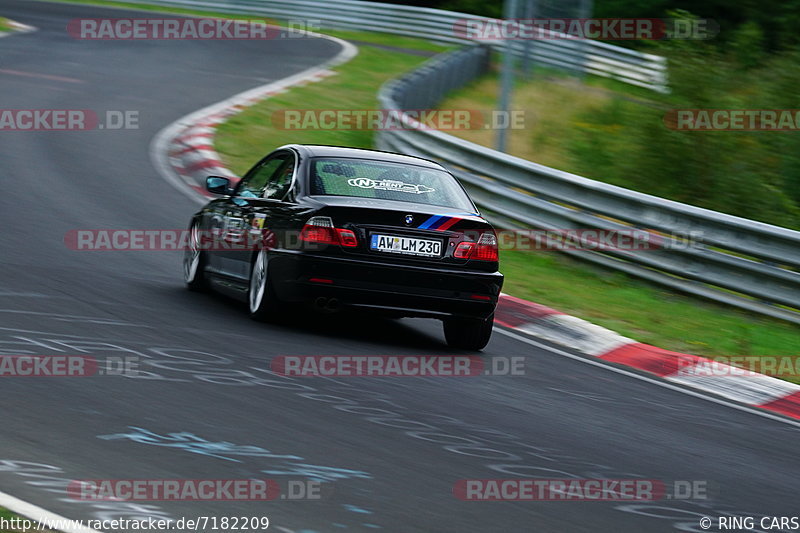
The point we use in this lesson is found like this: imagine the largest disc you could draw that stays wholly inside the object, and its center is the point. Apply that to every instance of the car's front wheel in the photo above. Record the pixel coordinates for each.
(261, 297)
(468, 334)
(194, 262)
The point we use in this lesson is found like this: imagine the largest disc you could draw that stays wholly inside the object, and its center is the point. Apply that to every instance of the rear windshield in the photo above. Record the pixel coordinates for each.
(364, 178)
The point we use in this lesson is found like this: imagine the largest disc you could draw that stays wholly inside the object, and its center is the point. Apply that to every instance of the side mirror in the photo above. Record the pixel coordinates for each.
(218, 185)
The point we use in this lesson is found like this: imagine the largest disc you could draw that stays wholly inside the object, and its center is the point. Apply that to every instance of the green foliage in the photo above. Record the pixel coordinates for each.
(750, 174)
(747, 45)
(776, 20)
(478, 7)
(491, 8)
(641, 311)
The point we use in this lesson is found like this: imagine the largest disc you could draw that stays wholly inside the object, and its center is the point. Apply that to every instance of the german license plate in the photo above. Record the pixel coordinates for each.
(405, 245)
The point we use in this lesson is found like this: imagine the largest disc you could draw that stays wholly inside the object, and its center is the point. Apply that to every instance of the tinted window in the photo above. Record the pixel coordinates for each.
(365, 178)
(279, 183)
(255, 182)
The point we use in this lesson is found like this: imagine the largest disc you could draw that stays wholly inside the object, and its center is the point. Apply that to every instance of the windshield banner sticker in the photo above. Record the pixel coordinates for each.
(390, 185)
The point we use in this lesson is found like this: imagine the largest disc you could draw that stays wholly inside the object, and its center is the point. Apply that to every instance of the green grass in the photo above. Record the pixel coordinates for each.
(8, 515)
(5, 513)
(604, 130)
(382, 39)
(616, 301)
(613, 300)
(251, 134)
(556, 108)
(642, 311)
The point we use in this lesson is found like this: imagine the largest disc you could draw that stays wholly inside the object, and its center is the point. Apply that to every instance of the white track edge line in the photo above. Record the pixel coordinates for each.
(38, 514)
(654, 381)
(12, 503)
(160, 157)
(159, 147)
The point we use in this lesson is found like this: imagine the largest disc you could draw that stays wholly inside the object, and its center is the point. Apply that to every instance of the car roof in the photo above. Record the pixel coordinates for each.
(316, 150)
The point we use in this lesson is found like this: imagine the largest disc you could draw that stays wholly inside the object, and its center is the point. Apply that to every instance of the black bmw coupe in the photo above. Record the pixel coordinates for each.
(349, 228)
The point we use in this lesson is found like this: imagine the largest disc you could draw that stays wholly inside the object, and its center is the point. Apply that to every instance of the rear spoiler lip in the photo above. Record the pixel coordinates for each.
(391, 205)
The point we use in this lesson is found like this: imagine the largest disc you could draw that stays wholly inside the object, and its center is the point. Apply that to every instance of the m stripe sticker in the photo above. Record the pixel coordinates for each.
(439, 223)
(430, 222)
(447, 224)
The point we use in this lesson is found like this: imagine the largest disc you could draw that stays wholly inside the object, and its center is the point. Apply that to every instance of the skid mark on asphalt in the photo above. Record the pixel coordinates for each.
(76, 318)
(54, 479)
(488, 448)
(24, 294)
(223, 450)
(193, 444)
(25, 74)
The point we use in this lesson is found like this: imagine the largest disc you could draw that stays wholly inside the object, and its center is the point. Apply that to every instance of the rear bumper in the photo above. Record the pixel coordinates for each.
(392, 289)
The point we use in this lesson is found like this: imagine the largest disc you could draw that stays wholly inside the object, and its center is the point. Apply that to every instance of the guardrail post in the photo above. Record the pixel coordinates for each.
(728, 259)
(507, 81)
(530, 13)
(586, 8)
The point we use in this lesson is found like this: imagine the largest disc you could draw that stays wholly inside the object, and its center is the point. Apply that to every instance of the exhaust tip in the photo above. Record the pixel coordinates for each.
(333, 305)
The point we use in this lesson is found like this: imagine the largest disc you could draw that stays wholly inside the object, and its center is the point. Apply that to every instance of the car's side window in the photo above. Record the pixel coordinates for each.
(255, 182)
(281, 181)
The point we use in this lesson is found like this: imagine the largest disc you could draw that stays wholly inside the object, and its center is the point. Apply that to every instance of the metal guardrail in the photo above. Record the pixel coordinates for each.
(593, 57)
(749, 264)
(733, 260)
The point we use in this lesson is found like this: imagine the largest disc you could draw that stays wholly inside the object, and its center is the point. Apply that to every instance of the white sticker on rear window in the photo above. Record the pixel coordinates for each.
(390, 185)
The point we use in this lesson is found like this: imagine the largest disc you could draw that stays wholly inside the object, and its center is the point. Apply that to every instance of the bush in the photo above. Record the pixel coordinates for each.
(750, 174)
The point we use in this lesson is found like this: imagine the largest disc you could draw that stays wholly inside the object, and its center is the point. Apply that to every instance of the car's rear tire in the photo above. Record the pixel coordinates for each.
(261, 298)
(194, 262)
(468, 334)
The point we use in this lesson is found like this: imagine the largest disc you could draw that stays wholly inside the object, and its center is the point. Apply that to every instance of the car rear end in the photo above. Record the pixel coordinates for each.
(376, 237)
(369, 257)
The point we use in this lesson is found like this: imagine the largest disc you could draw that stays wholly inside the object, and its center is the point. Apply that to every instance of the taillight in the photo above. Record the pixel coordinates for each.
(483, 250)
(486, 250)
(464, 250)
(320, 230)
(347, 238)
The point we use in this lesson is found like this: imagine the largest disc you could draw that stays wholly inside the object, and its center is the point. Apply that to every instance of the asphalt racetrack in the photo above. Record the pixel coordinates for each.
(388, 450)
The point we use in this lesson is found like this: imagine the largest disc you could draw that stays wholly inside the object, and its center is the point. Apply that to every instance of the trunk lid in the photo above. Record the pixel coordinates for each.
(403, 232)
